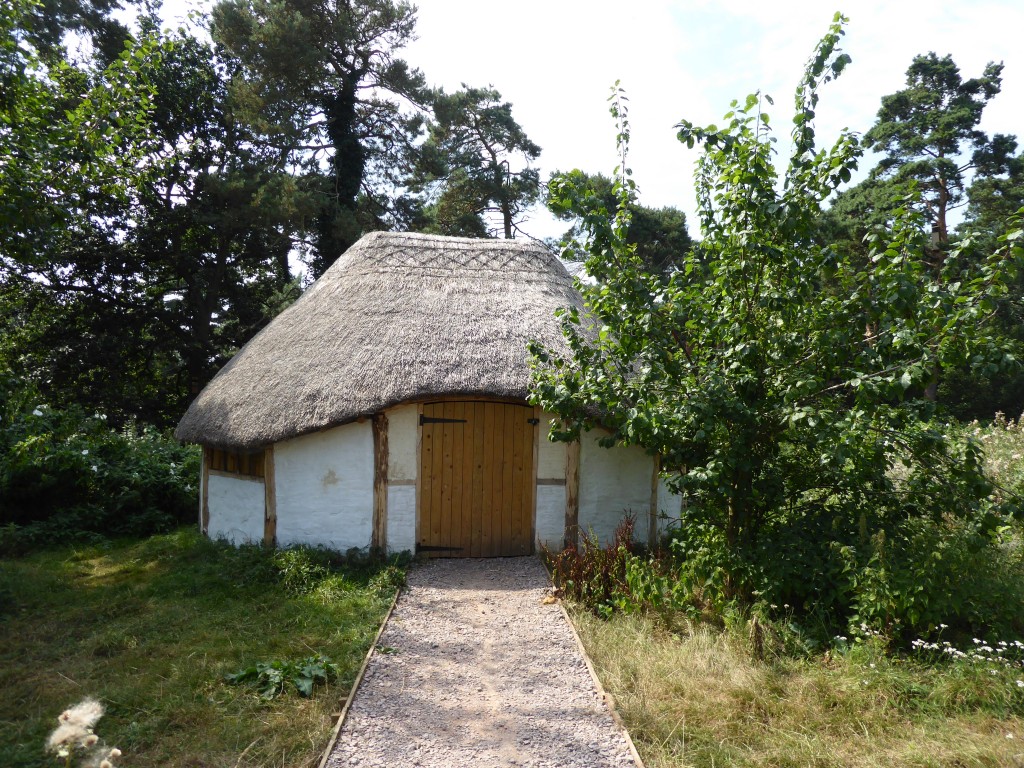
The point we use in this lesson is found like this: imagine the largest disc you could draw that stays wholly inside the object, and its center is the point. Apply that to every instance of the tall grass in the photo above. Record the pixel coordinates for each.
(758, 686)
(697, 697)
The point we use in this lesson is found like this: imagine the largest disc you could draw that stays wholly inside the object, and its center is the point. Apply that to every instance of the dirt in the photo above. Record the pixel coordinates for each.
(474, 669)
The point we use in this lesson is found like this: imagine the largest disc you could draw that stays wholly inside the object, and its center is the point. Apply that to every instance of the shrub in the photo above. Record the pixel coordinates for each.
(66, 474)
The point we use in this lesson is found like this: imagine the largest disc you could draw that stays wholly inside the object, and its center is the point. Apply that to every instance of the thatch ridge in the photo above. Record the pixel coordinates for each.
(398, 317)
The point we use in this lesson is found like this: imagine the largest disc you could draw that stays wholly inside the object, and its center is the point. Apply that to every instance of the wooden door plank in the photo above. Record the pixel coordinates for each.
(466, 537)
(489, 490)
(507, 460)
(515, 543)
(458, 438)
(477, 500)
(445, 526)
(437, 480)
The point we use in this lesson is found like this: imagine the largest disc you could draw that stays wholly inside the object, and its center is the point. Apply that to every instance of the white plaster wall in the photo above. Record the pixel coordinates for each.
(403, 462)
(324, 485)
(402, 518)
(612, 481)
(403, 424)
(550, 456)
(550, 516)
(237, 507)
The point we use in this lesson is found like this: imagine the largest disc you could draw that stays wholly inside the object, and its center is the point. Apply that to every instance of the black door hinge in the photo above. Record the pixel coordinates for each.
(435, 420)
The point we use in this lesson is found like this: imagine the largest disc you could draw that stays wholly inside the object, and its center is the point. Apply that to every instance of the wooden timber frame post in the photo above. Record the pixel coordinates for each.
(204, 502)
(270, 499)
(379, 537)
(572, 495)
(652, 514)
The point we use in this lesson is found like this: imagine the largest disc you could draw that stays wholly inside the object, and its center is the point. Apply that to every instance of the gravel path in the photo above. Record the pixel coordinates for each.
(474, 670)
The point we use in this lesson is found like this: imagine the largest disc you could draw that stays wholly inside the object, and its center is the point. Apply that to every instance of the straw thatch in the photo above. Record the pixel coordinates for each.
(397, 317)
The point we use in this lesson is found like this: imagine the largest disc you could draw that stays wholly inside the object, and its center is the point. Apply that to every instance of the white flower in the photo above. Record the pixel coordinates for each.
(37, 412)
(85, 452)
(1020, 683)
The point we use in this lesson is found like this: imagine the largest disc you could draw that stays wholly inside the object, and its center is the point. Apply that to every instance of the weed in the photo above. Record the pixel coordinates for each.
(273, 677)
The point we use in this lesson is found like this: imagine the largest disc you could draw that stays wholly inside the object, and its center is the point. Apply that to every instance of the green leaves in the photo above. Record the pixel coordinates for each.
(780, 381)
(273, 678)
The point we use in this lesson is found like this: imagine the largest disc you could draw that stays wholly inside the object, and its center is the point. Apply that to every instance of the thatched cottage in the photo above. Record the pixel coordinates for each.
(387, 408)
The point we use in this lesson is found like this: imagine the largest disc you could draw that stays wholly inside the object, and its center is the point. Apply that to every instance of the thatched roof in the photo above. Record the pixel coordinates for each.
(397, 317)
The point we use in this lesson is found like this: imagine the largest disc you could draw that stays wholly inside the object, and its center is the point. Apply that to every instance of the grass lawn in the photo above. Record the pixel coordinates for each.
(695, 697)
(150, 627)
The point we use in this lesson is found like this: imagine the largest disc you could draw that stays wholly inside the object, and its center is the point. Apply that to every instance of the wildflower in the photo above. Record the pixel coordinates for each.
(1009, 735)
(1020, 683)
(85, 452)
(85, 714)
(115, 752)
(37, 412)
(75, 729)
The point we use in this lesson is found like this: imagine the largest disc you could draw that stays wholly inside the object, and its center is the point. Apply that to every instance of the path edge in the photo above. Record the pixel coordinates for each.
(359, 679)
(606, 697)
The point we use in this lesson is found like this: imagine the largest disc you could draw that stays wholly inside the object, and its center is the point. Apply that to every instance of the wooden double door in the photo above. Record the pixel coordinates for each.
(477, 479)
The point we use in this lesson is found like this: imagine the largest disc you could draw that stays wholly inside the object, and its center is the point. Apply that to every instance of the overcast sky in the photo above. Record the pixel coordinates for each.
(555, 61)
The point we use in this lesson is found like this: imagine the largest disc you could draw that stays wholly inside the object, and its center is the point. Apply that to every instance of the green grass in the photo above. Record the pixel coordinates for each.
(151, 627)
(694, 696)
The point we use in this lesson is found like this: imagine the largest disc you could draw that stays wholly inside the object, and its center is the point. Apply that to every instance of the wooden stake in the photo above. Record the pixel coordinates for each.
(572, 494)
(379, 538)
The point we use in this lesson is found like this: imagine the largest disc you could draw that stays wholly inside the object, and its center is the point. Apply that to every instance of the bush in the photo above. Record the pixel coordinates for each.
(66, 474)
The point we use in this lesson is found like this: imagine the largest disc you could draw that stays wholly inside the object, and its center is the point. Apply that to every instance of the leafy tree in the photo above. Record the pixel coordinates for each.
(926, 128)
(660, 234)
(49, 21)
(69, 137)
(130, 303)
(473, 146)
(322, 79)
(749, 372)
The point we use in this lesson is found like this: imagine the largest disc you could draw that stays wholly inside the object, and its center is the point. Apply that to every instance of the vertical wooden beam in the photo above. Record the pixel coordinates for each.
(379, 538)
(270, 498)
(204, 501)
(533, 478)
(652, 515)
(423, 446)
(572, 494)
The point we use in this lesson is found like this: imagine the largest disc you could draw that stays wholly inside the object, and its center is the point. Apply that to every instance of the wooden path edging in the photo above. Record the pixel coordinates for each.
(359, 679)
(605, 696)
